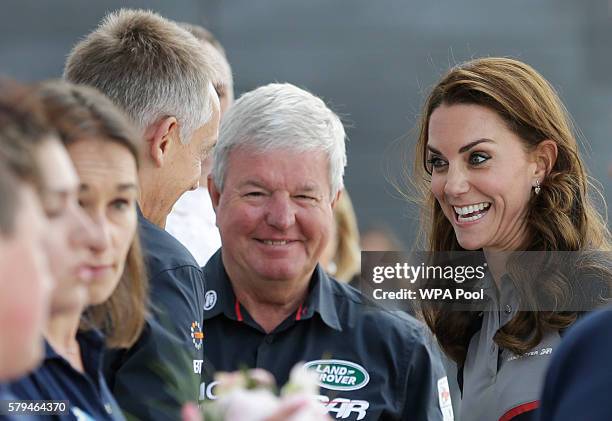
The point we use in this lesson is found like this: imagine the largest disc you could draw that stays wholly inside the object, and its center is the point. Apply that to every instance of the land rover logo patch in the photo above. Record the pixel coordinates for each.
(339, 374)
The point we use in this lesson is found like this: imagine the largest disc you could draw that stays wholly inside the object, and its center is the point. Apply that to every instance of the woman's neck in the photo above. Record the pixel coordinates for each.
(61, 331)
(497, 261)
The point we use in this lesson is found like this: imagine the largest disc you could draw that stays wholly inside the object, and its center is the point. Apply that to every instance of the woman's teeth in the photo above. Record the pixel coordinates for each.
(471, 213)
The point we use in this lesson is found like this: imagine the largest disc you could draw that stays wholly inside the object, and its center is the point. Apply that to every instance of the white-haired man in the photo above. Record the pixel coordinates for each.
(277, 175)
(158, 73)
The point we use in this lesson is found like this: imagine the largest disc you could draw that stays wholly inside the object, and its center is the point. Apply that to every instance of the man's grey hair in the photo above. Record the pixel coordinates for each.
(149, 66)
(223, 79)
(281, 116)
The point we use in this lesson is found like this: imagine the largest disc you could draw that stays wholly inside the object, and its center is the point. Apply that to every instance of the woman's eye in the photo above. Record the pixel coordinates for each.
(54, 205)
(436, 162)
(53, 212)
(478, 158)
(120, 204)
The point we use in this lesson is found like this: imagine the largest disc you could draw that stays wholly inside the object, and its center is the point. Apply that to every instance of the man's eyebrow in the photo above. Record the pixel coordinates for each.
(252, 183)
(308, 188)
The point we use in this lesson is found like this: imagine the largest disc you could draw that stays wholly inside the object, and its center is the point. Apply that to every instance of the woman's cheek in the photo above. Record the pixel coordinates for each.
(437, 187)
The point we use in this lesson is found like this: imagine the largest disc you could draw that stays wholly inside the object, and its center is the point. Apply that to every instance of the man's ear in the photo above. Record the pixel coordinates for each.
(163, 133)
(215, 194)
(336, 198)
(545, 156)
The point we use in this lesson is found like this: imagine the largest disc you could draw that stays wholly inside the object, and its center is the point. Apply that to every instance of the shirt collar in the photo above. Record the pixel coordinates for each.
(90, 341)
(320, 297)
(141, 218)
(218, 284)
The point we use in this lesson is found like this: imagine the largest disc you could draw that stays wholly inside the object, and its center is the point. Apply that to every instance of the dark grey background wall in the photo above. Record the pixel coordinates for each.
(373, 61)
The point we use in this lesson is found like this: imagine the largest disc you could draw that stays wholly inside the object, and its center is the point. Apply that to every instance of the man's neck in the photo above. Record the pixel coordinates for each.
(153, 213)
(269, 303)
(154, 206)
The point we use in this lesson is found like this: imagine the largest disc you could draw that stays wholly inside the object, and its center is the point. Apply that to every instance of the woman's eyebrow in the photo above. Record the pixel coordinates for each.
(127, 186)
(434, 150)
(83, 187)
(472, 144)
(463, 148)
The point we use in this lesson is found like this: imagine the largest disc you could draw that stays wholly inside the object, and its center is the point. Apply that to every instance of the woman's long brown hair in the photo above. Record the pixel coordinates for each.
(79, 113)
(562, 217)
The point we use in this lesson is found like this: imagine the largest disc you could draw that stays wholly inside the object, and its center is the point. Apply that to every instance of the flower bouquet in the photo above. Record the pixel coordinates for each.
(251, 395)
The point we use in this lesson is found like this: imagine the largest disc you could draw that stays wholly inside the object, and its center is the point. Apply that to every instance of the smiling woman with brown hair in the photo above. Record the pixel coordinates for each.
(500, 172)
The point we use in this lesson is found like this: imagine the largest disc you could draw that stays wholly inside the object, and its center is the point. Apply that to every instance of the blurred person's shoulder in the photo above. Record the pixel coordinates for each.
(578, 381)
(594, 328)
(585, 342)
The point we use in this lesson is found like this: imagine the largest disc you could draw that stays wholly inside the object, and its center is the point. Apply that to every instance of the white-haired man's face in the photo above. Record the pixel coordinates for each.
(274, 214)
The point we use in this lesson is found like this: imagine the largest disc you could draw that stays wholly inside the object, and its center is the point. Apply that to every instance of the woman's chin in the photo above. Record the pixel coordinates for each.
(470, 244)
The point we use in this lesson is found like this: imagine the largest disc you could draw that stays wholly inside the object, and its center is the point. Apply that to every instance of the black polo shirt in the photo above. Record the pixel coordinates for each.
(154, 378)
(372, 363)
(87, 393)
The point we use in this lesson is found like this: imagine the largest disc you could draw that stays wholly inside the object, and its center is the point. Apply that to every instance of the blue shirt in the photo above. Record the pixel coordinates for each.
(56, 379)
(153, 379)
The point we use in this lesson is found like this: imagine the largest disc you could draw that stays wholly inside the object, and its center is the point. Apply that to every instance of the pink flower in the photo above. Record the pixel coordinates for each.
(248, 405)
(248, 396)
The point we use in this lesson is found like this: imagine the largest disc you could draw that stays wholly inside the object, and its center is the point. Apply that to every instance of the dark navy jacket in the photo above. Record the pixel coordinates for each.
(6, 395)
(4, 392)
(579, 381)
(87, 393)
(372, 364)
(154, 378)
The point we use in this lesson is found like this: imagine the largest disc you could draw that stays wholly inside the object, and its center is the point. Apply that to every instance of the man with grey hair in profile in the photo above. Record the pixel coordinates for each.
(159, 75)
(277, 175)
(192, 220)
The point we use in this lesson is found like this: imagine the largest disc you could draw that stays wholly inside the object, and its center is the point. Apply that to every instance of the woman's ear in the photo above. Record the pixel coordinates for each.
(545, 156)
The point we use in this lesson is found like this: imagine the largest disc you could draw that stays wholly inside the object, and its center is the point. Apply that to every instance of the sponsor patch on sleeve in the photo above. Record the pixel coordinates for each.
(444, 398)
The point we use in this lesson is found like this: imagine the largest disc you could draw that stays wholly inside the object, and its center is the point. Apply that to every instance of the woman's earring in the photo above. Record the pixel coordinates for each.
(537, 187)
